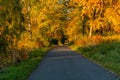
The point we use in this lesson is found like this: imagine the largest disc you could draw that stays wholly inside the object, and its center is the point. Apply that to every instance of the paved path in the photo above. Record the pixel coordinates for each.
(61, 63)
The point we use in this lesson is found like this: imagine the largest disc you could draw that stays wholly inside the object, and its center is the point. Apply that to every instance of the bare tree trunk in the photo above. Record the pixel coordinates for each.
(91, 29)
(29, 22)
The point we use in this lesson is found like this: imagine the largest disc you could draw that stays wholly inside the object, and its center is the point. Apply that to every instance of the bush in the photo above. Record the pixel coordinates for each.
(89, 41)
(22, 70)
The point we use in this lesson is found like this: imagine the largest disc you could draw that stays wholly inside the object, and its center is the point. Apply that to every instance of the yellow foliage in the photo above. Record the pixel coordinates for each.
(86, 41)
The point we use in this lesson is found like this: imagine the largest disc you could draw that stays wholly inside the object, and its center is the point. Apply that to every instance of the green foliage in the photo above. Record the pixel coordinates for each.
(22, 70)
(106, 54)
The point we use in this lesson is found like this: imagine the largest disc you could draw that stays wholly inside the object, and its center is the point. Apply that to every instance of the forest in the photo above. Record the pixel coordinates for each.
(26, 25)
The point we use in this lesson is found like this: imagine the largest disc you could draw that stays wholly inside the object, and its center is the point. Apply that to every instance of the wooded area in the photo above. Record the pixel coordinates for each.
(30, 24)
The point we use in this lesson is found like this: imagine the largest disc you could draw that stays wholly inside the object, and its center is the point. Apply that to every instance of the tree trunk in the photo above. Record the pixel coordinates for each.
(29, 22)
(59, 43)
(90, 34)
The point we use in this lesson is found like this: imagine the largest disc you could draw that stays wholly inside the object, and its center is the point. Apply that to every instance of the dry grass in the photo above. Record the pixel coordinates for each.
(14, 56)
(94, 40)
(89, 41)
(111, 38)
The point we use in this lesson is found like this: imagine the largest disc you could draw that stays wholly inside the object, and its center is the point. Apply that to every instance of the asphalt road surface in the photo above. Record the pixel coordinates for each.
(61, 63)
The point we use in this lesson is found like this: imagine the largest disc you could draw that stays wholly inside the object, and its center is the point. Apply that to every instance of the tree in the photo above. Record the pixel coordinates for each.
(11, 26)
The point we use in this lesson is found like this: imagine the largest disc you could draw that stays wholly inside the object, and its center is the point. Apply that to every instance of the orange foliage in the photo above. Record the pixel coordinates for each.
(86, 41)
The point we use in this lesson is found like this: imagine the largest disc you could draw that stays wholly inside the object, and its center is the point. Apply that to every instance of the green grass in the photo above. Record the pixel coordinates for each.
(22, 70)
(106, 54)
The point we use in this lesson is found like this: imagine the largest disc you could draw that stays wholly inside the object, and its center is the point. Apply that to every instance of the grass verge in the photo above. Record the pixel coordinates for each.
(106, 53)
(22, 70)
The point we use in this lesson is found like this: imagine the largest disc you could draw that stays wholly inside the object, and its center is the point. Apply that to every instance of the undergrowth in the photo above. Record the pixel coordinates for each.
(22, 70)
(105, 53)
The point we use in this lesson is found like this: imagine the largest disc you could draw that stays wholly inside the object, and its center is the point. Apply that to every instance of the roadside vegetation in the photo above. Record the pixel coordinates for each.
(27, 25)
(22, 70)
(102, 50)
